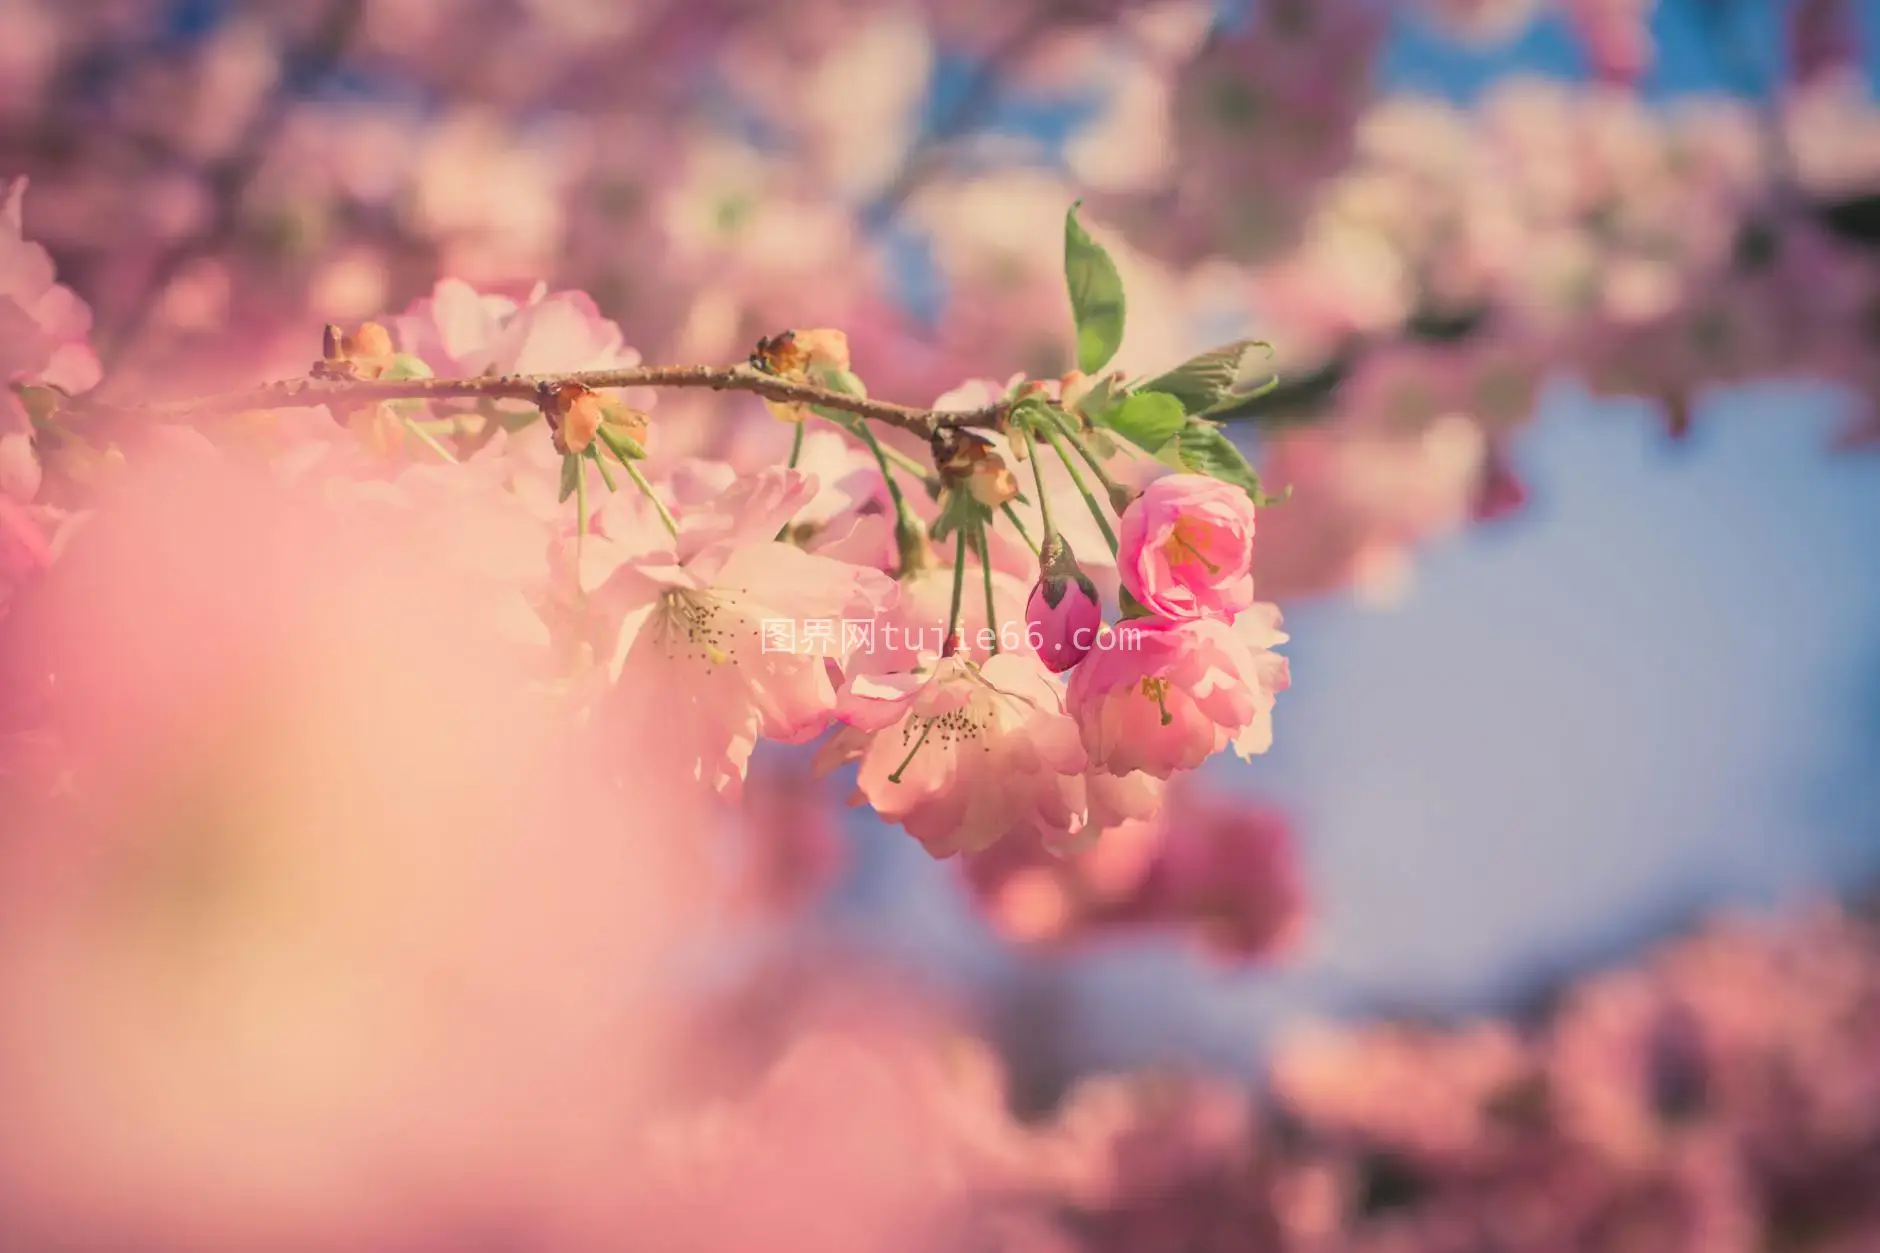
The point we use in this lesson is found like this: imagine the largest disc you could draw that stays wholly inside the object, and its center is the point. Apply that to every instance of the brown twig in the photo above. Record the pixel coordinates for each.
(537, 388)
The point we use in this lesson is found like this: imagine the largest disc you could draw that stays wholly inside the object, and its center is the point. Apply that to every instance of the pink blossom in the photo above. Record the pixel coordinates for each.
(1186, 547)
(1221, 869)
(964, 754)
(1227, 869)
(723, 649)
(42, 324)
(1160, 696)
(460, 332)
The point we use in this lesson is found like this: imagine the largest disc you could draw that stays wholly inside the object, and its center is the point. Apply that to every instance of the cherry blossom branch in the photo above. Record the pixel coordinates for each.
(313, 390)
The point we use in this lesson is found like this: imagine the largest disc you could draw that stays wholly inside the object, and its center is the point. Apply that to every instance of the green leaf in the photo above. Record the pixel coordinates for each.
(1128, 606)
(1096, 292)
(570, 475)
(1148, 420)
(1202, 449)
(1209, 381)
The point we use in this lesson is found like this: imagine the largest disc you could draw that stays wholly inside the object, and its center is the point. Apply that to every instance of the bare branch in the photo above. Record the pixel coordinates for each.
(315, 390)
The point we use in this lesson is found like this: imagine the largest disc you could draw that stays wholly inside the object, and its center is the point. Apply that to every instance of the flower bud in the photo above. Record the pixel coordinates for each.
(1063, 613)
(804, 357)
(364, 354)
(967, 458)
(371, 341)
(577, 416)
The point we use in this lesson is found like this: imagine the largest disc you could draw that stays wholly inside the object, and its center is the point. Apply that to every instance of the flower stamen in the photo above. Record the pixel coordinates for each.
(1156, 689)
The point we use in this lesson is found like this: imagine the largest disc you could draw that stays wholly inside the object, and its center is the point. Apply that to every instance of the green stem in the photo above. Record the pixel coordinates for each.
(959, 595)
(909, 759)
(796, 446)
(1044, 497)
(646, 489)
(985, 569)
(627, 450)
(909, 535)
(607, 476)
(1018, 525)
(910, 465)
(860, 431)
(429, 440)
(1110, 485)
(1083, 488)
(580, 513)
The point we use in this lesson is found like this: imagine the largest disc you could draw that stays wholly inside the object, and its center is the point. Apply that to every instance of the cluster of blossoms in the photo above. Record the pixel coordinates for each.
(689, 602)
(1719, 1096)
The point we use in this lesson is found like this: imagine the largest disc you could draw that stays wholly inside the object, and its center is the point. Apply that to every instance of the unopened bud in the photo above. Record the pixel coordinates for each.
(968, 459)
(364, 354)
(824, 346)
(629, 422)
(1063, 612)
(780, 354)
(371, 341)
(574, 414)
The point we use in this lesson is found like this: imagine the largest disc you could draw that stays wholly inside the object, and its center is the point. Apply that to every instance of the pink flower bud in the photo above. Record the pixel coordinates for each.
(1064, 613)
(1064, 631)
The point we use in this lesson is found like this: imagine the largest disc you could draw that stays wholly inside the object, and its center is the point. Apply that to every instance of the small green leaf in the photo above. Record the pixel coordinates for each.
(1096, 292)
(1129, 607)
(1148, 420)
(1202, 449)
(1210, 380)
(570, 475)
